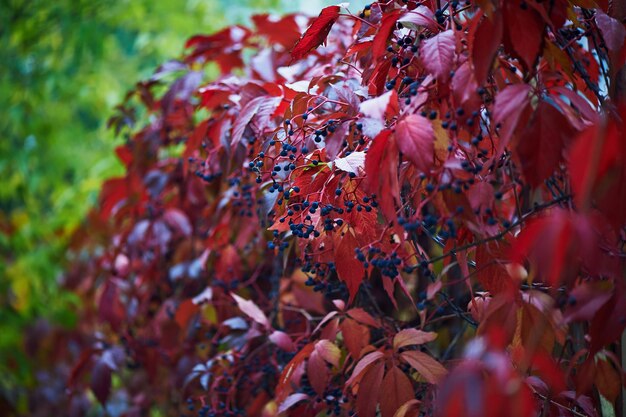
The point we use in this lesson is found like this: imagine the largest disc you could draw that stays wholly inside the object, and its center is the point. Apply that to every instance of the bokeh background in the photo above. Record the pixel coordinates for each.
(64, 65)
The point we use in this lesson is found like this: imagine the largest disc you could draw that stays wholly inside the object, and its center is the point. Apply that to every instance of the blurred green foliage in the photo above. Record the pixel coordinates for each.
(64, 65)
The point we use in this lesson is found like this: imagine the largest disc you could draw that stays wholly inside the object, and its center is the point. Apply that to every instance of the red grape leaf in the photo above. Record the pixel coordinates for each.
(415, 138)
(316, 34)
(396, 390)
(408, 337)
(291, 400)
(490, 267)
(317, 372)
(350, 269)
(363, 365)
(283, 389)
(541, 144)
(355, 336)
(523, 34)
(387, 25)
(362, 316)
(431, 370)
(369, 389)
(381, 166)
(613, 30)
(250, 309)
(509, 105)
(437, 54)
(485, 38)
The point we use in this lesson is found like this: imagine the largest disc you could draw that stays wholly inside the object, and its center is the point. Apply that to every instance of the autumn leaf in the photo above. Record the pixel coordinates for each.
(408, 337)
(431, 370)
(369, 388)
(437, 54)
(396, 390)
(350, 270)
(316, 34)
(415, 138)
(387, 25)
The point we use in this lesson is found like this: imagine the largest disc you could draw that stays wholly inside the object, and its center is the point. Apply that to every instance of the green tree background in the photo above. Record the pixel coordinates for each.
(64, 65)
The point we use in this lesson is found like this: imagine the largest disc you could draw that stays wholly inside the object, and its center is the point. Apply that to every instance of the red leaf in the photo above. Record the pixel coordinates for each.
(508, 107)
(316, 34)
(408, 337)
(420, 16)
(485, 40)
(491, 270)
(350, 269)
(250, 309)
(541, 145)
(613, 30)
(283, 389)
(524, 32)
(597, 167)
(290, 401)
(362, 316)
(431, 370)
(610, 321)
(369, 389)
(415, 138)
(355, 337)
(547, 243)
(387, 25)
(396, 390)
(437, 54)
(282, 340)
(317, 372)
(381, 168)
(363, 365)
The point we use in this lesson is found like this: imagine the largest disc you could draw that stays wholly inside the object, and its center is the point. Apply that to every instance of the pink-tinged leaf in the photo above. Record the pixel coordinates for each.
(509, 105)
(387, 26)
(410, 408)
(317, 372)
(328, 351)
(316, 34)
(291, 400)
(433, 289)
(421, 16)
(369, 390)
(325, 320)
(363, 365)
(101, 381)
(485, 38)
(282, 340)
(408, 337)
(250, 309)
(355, 337)
(362, 316)
(353, 163)
(437, 54)
(541, 145)
(283, 389)
(396, 390)
(377, 107)
(350, 269)
(431, 370)
(415, 138)
(523, 35)
(613, 30)
(178, 221)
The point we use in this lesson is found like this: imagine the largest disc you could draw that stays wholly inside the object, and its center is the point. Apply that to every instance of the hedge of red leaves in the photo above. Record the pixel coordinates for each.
(408, 211)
